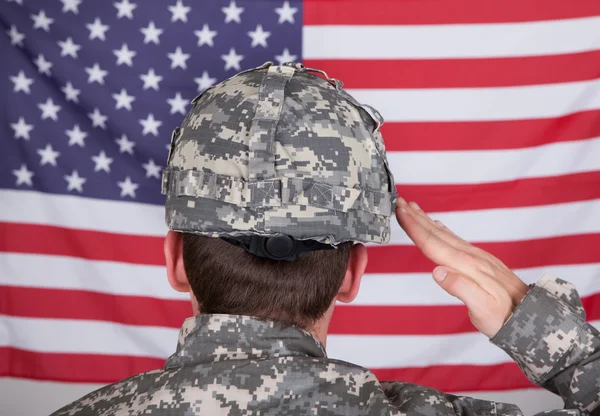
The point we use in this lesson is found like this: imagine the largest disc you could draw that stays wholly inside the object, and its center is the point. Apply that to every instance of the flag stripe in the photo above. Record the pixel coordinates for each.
(451, 41)
(390, 12)
(460, 73)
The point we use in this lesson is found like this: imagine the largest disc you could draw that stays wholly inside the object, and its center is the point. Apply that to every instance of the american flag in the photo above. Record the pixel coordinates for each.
(492, 124)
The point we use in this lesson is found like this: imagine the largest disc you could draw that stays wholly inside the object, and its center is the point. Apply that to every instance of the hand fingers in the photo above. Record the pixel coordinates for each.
(461, 287)
(446, 234)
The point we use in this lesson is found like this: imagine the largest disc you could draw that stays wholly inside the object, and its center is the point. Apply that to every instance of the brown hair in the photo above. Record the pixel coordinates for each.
(227, 279)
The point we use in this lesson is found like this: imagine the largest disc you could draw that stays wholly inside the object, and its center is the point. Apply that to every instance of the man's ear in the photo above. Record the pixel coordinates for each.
(174, 257)
(357, 263)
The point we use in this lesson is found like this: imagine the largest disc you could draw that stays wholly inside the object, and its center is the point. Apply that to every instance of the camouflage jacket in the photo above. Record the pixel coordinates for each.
(238, 365)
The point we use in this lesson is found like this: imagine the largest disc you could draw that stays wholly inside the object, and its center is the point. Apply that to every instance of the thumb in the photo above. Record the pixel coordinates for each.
(460, 286)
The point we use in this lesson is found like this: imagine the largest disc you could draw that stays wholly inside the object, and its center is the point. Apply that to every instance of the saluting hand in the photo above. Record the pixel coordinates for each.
(488, 288)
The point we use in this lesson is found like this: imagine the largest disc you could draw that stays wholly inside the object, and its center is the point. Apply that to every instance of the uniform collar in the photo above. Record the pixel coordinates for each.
(215, 337)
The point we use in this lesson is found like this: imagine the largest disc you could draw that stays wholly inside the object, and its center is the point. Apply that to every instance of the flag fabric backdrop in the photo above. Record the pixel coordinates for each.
(492, 124)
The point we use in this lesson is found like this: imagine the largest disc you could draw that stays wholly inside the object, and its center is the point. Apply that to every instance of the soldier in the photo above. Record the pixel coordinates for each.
(273, 181)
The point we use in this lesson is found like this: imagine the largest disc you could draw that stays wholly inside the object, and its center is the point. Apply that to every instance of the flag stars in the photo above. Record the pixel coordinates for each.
(232, 60)
(232, 12)
(22, 129)
(68, 47)
(49, 109)
(96, 74)
(152, 169)
(178, 104)
(71, 93)
(286, 13)
(76, 136)
(151, 33)
(98, 119)
(71, 6)
(97, 30)
(285, 57)
(102, 162)
(23, 175)
(125, 9)
(16, 38)
(179, 12)
(151, 80)
(205, 36)
(205, 81)
(128, 187)
(150, 125)
(43, 65)
(48, 155)
(259, 36)
(22, 83)
(178, 58)
(124, 55)
(123, 99)
(75, 182)
(41, 21)
(125, 145)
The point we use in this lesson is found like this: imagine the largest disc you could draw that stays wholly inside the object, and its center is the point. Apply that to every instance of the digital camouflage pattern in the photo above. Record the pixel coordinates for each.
(238, 365)
(277, 149)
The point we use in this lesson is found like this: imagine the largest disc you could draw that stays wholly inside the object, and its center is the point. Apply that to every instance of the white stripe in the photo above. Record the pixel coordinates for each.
(516, 224)
(451, 41)
(483, 166)
(53, 272)
(373, 351)
(482, 104)
(493, 225)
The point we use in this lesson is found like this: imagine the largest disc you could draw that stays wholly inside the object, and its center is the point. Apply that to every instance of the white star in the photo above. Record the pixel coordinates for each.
(98, 120)
(179, 12)
(205, 36)
(178, 104)
(285, 57)
(151, 80)
(23, 175)
(125, 145)
(205, 81)
(124, 55)
(97, 29)
(71, 93)
(286, 13)
(22, 83)
(128, 187)
(102, 162)
(123, 99)
(125, 9)
(151, 33)
(49, 109)
(76, 136)
(178, 58)
(22, 129)
(71, 6)
(232, 12)
(74, 181)
(232, 60)
(42, 21)
(19, 2)
(43, 65)
(16, 38)
(48, 155)
(96, 74)
(68, 48)
(259, 36)
(150, 125)
(152, 169)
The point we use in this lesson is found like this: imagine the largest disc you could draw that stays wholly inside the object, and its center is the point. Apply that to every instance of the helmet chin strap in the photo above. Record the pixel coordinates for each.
(277, 247)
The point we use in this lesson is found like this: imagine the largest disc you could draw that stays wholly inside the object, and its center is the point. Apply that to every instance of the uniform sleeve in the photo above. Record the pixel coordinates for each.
(547, 335)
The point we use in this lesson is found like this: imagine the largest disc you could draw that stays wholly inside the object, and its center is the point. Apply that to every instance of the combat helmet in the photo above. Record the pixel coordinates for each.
(281, 161)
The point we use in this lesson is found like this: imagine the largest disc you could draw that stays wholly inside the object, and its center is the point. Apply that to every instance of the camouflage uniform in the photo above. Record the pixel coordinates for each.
(238, 365)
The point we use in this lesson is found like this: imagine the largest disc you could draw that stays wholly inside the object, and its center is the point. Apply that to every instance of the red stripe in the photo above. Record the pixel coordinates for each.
(461, 73)
(88, 368)
(512, 194)
(490, 135)
(137, 310)
(394, 12)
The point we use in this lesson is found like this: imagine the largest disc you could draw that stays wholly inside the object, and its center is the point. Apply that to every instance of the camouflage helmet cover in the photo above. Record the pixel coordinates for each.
(279, 150)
